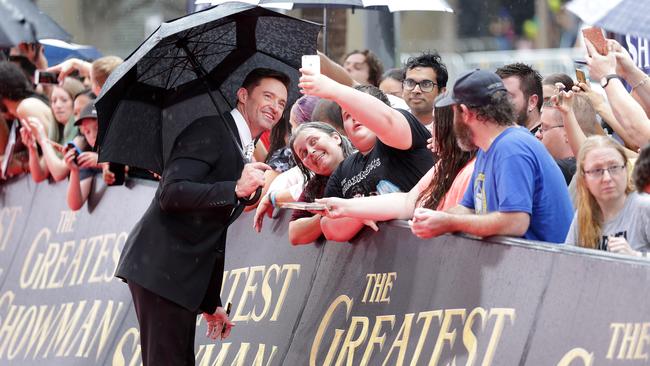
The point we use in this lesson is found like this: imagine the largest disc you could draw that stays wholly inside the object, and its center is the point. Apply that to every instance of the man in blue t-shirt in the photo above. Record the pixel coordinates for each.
(517, 188)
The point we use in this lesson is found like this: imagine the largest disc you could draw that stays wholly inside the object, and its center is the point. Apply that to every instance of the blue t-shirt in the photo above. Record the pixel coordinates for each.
(517, 174)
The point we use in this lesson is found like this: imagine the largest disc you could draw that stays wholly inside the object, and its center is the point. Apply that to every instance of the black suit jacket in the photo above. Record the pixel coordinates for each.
(177, 249)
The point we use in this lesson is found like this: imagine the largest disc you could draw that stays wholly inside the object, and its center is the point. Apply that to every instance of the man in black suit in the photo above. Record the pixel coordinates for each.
(174, 258)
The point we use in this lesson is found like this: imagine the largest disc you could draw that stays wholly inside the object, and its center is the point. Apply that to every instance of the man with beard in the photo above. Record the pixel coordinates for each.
(517, 188)
(524, 84)
(425, 78)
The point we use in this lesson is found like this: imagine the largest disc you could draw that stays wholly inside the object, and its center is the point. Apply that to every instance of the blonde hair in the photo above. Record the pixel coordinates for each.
(73, 87)
(103, 67)
(590, 216)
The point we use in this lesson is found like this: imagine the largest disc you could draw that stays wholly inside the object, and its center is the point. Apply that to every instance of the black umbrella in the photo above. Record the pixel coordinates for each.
(163, 86)
(23, 21)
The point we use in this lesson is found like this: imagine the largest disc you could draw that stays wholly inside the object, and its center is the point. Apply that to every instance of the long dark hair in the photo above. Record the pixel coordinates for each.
(451, 158)
(314, 183)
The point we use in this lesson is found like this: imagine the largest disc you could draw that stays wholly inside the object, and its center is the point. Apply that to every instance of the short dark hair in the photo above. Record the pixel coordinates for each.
(641, 174)
(14, 85)
(559, 78)
(375, 66)
(397, 74)
(499, 110)
(529, 78)
(328, 111)
(432, 60)
(254, 78)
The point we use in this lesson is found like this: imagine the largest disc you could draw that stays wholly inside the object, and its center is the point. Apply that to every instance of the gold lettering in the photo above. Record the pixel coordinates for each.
(628, 342)
(427, 316)
(25, 281)
(106, 325)
(42, 329)
(103, 253)
(8, 327)
(65, 328)
(132, 335)
(240, 358)
(259, 357)
(350, 345)
(5, 231)
(290, 269)
(401, 341)
(51, 254)
(324, 323)
(21, 331)
(390, 278)
(237, 273)
(249, 289)
(375, 338)
(370, 277)
(84, 331)
(267, 293)
(63, 259)
(500, 313)
(66, 220)
(469, 338)
(577, 354)
(640, 354)
(616, 330)
(445, 334)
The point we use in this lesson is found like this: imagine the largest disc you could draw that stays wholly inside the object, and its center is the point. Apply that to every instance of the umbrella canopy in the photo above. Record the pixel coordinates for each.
(23, 21)
(619, 16)
(57, 51)
(149, 99)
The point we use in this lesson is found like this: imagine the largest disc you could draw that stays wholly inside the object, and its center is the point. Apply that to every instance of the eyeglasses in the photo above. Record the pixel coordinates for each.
(425, 85)
(542, 129)
(598, 173)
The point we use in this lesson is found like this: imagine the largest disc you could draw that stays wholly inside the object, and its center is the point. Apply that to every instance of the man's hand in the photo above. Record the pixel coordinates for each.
(107, 174)
(599, 65)
(264, 208)
(216, 323)
(317, 84)
(251, 178)
(596, 99)
(563, 101)
(87, 159)
(429, 223)
(67, 67)
(36, 128)
(26, 136)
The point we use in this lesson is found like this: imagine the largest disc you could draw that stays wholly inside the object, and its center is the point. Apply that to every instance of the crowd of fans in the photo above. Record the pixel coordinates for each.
(503, 152)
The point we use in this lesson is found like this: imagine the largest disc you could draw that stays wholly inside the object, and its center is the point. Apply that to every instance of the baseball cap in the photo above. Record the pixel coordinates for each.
(88, 111)
(473, 88)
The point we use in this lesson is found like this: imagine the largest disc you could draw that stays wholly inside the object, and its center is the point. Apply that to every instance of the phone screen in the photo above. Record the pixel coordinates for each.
(580, 76)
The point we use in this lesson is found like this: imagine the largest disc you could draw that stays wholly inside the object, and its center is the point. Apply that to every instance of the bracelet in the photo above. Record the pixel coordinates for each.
(640, 83)
(272, 198)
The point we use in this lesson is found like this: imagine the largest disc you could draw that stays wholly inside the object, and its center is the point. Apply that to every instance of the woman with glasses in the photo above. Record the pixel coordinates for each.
(609, 215)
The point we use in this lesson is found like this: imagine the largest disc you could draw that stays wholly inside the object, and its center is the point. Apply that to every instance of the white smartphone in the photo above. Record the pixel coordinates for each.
(311, 62)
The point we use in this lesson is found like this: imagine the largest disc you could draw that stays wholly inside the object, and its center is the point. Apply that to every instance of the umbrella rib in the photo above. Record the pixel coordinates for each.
(169, 77)
(186, 61)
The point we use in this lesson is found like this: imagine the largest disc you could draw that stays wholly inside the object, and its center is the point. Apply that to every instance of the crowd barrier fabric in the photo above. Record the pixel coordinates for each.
(387, 298)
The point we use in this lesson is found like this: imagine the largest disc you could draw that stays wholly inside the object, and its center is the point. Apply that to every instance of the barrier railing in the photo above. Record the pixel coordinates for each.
(388, 298)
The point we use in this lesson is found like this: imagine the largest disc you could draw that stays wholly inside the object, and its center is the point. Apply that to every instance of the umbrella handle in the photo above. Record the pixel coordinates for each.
(252, 200)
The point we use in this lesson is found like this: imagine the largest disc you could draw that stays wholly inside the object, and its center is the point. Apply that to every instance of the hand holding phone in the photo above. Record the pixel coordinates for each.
(77, 151)
(595, 36)
(44, 77)
(580, 76)
(311, 62)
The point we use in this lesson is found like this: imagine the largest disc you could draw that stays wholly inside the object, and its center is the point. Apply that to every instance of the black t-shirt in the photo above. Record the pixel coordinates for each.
(568, 168)
(384, 169)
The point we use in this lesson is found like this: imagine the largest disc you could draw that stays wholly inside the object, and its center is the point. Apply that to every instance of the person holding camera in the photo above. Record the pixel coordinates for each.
(82, 164)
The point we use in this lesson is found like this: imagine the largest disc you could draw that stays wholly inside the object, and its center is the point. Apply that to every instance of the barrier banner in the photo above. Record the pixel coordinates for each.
(387, 298)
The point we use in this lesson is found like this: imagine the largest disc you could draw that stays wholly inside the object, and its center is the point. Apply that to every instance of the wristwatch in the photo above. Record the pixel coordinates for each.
(605, 80)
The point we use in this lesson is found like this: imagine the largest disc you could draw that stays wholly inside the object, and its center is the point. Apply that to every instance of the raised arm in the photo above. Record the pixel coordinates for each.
(626, 110)
(390, 126)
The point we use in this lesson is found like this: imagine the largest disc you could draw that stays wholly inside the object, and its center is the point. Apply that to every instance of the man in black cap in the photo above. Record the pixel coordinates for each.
(516, 188)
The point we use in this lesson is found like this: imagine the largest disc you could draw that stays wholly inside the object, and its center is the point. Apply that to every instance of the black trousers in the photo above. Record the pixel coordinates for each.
(166, 329)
